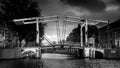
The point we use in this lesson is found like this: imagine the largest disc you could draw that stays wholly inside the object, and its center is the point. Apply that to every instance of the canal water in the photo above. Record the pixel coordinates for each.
(53, 60)
(56, 56)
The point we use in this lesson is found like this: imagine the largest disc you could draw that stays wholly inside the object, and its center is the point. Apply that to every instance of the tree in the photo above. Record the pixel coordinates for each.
(19, 8)
(16, 9)
(74, 36)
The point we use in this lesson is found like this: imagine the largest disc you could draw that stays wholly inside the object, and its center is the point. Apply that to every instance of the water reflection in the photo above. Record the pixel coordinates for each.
(63, 61)
(23, 63)
(50, 60)
(56, 56)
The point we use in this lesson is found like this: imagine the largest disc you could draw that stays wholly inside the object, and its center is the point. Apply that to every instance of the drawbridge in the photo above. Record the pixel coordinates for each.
(61, 33)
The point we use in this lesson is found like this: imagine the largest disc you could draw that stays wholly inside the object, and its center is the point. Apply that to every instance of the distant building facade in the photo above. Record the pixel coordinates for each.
(109, 35)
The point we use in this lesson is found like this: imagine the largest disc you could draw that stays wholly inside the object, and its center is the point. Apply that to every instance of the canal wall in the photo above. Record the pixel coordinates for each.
(112, 53)
(100, 53)
(90, 52)
(10, 53)
(16, 53)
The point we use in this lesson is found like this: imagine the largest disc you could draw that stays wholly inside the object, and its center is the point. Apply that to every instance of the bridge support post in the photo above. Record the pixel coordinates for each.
(86, 33)
(81, 34)
(81, 37)
(37, 28)
(39, 52)
(38, 37)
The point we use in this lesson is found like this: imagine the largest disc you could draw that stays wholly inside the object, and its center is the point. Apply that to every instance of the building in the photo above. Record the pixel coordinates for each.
(109, 35)
(8, 38)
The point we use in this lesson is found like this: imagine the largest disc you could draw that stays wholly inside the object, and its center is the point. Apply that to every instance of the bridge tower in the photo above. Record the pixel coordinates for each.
(36, 20)
(84, 23)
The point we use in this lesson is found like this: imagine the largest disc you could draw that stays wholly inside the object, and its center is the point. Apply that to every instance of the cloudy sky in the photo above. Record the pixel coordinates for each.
(93, 9)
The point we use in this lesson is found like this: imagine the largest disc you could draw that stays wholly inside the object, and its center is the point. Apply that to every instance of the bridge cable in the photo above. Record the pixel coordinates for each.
(58, 31)
(46, 38)
(63, 32)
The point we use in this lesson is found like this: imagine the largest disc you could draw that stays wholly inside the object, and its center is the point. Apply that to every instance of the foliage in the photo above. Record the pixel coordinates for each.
(16, 9)
(19, 8)
(74, 36)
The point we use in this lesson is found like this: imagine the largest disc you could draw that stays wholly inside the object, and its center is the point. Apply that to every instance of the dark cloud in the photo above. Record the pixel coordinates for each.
(91, 5)
(43, 2)
(118, 1)
(113, 2)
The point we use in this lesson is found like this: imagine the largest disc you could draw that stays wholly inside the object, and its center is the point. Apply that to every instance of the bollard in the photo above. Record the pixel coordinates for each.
(39, 52)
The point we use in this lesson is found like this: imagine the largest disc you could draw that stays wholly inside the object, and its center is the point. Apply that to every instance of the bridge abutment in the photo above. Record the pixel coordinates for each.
(90, 52)
(77, 52)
